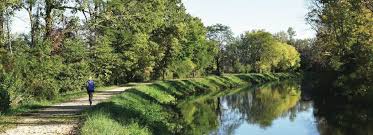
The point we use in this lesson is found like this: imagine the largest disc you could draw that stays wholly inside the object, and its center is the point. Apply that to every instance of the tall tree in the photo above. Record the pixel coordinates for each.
(261, 51)
(49, 6)
(6, 7)
(2, 20)
(29, 6)
(291, 33)
(282, 36)
(344, 33)
(223, 36)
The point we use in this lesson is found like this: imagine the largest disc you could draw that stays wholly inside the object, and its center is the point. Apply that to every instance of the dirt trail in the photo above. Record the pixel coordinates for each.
(59, 119)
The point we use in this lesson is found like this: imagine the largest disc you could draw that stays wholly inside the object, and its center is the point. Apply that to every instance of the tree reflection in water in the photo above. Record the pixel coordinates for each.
(266, 103)
(261, 106)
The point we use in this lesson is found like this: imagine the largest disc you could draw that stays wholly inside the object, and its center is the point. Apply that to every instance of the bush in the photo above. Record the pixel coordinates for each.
(182, 68)
(4, 100)
(73, 77)
(75, 70)
(44, 88)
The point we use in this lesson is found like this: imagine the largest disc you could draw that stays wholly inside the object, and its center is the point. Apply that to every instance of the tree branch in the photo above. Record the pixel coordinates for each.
(73, 8)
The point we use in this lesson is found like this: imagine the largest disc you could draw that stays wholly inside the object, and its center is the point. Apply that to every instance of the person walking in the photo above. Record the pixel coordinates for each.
(90, 89)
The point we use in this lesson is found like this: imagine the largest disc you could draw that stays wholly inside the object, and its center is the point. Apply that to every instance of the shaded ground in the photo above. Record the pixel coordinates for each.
(58, 119)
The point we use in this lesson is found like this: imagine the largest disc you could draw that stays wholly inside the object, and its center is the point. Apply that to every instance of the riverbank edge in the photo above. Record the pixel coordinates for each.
(152, 108)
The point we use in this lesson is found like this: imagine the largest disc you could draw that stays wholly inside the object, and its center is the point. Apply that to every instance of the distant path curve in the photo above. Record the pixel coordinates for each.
(59, 119)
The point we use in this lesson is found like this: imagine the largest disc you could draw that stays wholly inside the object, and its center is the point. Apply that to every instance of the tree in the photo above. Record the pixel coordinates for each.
(197, 48)
(254, 45)
(231, 60)
(282, 36)
(6, 9)
(291, 33)
(344, 33)
(119, 41)
(262, 52)
(222, 35)
(75, 69)
(104, 60)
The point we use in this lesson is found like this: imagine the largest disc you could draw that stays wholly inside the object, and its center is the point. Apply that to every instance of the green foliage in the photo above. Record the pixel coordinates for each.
(104, 60)
(344, 42)
(123, 41)
(150, 42)
(4, 95)
(182, 69)
(75, 70)
(290, 60)
(261, 52)
(40, 80)
(221, 35)
(4, 100)
(281, 36)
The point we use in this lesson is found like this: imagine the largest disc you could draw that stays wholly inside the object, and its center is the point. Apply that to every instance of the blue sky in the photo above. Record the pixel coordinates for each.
(245, 15)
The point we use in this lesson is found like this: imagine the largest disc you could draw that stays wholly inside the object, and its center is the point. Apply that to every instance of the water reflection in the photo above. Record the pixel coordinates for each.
(201, 117)
(266, 103)
(276, 108)
(336, 116)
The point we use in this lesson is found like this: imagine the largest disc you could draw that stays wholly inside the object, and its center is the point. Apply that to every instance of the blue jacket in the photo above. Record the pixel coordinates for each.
(90, 86)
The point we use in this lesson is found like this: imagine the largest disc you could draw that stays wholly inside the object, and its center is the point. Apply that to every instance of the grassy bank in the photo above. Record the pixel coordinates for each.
(14, 113)
(152, 109)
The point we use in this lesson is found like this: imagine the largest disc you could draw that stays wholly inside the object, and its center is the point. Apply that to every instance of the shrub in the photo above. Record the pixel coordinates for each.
(75, 70)
(4, 100)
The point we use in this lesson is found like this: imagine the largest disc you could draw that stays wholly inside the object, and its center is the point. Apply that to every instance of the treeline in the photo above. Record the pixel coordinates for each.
(344, 43)
(121, 41)
(114, 41)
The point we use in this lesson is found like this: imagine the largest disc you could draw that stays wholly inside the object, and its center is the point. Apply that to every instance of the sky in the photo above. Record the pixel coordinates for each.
(240, 15)
(21, 22)
(247, 15)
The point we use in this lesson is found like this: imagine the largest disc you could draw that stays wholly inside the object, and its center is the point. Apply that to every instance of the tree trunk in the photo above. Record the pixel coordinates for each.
(8, 33)
(32, 26)
(2, 20)
(218, 66)
(48, 18)
(163, 74)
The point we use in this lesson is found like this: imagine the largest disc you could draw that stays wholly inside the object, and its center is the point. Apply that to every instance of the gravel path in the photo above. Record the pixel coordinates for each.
(60, 119)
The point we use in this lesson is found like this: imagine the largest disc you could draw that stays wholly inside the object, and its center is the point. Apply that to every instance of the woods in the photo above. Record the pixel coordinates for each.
(344, 42)
(120, 41)
(114, 41)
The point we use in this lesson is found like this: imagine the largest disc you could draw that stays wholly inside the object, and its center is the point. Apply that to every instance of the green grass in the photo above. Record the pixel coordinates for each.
(14, 114)
(152, 109)
(107, 126)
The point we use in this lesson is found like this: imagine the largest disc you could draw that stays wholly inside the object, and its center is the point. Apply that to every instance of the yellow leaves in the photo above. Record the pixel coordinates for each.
(273, 100)
(279, 56)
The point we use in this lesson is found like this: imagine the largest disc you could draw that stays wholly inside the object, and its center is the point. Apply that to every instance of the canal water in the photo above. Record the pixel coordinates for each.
(281, 108)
